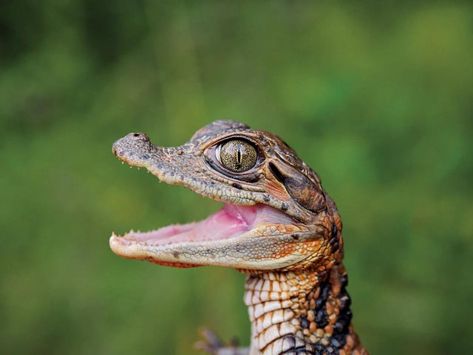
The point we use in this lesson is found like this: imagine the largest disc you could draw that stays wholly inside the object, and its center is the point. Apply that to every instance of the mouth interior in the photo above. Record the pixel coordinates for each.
(228, 222)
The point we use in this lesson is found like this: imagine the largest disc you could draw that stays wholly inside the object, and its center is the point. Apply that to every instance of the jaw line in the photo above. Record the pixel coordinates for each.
(245, 251)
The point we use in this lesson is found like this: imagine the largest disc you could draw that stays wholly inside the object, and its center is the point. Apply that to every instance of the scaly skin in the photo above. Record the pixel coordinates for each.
(296, 284)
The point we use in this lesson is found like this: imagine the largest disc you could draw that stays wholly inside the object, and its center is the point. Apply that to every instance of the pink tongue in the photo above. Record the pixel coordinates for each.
(228, 221)
(224, 223)
(243, 214)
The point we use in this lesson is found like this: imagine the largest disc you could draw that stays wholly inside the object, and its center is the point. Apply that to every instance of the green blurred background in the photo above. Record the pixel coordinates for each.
(375, 96)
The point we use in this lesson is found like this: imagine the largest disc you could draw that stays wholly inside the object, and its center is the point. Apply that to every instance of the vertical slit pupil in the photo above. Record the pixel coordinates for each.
(239, 156)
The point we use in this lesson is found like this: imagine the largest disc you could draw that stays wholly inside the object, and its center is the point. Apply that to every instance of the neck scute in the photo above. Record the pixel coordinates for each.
(301, 312)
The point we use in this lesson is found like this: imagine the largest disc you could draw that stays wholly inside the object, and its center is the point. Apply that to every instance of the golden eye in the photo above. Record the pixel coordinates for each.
(237, 155)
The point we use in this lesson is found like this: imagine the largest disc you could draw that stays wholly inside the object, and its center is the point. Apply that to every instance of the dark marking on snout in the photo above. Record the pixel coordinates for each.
(237, 185)
(176, 254)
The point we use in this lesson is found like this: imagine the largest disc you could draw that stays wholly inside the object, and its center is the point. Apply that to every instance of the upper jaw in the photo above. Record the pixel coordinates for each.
(185, 165)
(182, 165)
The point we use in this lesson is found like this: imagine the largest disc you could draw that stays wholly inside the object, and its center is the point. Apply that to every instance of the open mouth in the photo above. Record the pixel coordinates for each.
(232, 221)
(229, 221)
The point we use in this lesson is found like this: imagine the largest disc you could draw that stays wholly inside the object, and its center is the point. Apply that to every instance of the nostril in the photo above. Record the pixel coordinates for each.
(136, 134)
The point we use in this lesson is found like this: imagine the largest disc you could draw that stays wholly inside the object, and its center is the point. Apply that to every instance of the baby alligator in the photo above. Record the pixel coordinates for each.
(278, 226)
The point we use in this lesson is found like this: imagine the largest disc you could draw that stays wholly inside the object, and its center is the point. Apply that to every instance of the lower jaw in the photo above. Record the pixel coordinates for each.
(241, 237)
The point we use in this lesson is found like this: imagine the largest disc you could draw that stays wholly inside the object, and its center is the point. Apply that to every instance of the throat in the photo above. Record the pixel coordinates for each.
(303, 312)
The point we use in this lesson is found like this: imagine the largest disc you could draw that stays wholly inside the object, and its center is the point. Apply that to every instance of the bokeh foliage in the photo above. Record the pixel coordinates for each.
(375, 96)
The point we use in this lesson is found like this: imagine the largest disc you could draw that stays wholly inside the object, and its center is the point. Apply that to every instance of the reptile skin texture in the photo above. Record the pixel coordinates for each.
(278, 226)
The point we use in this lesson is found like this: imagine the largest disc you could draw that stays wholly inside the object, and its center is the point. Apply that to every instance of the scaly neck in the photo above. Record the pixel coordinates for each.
(301, 311)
